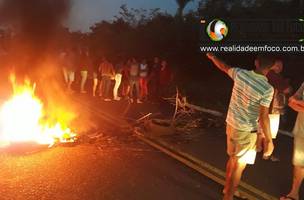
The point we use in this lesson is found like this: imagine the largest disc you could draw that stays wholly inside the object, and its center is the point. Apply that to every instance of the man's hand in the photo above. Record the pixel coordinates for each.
(210, 56)
(268, 149)
(260, 142)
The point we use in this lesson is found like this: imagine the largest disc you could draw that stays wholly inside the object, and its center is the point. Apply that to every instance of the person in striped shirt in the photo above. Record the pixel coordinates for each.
(249, 105)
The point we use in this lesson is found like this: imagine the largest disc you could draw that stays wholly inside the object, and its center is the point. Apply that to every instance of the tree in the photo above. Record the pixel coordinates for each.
(136, 17)
(181, 6)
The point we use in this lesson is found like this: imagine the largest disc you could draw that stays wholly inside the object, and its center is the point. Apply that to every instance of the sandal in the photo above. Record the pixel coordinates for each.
(238, 195)
(274, 159)
(287, 198)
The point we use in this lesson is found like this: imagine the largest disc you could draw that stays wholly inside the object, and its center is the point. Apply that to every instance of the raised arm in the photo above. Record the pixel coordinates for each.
(219, 63)
(265, 125)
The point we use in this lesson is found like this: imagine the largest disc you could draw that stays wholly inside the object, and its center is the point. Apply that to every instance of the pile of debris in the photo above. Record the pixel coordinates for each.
(186, 118)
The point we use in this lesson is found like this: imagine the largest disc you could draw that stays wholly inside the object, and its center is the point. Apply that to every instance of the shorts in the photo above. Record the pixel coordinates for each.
(118, 77)
(298, 152)
(69, 75)
(242, 145)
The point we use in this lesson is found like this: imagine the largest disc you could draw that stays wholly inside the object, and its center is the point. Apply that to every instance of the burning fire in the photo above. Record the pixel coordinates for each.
(23, 119)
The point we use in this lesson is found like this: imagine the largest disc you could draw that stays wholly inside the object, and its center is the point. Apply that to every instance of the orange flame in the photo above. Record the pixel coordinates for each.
(22, 119)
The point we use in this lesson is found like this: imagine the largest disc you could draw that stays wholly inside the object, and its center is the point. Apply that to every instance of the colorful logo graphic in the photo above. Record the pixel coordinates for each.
(217, 30)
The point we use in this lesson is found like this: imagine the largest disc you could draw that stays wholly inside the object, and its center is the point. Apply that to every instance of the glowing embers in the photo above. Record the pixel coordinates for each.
(23, 119)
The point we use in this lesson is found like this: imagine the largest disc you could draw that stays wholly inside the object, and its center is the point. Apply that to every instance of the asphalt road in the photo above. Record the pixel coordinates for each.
(116, 166)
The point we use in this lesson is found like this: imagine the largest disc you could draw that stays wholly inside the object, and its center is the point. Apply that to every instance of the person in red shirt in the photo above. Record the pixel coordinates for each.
(282, 90)
(143, 82)
(281, 86)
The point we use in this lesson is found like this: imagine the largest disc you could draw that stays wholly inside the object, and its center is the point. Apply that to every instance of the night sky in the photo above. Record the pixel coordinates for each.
(85, 13)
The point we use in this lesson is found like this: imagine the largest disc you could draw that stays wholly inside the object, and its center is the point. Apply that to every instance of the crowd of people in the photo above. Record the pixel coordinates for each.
(133, 79)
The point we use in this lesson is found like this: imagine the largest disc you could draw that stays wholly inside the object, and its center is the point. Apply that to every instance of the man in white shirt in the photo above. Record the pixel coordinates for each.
(250, 101)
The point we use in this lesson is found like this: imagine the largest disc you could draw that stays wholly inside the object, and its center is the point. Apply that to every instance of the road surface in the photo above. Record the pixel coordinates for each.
(116, 166)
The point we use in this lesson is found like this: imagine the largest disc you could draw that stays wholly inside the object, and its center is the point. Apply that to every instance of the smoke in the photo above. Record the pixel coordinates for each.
(34, 48)
(34, 17)
(35, 25)
(37, 34)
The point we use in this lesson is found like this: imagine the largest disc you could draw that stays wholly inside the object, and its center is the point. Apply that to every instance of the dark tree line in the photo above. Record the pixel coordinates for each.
(145, 32)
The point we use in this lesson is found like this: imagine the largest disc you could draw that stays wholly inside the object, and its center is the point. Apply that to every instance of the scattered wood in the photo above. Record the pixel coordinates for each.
(181, 102)
(187, 116)
(144, 117)
(185, 119)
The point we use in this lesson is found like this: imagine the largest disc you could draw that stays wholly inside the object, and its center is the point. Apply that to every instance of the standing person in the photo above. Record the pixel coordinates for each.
(296, 102)
(62, 59)
(126, 79)
(69, 68)
(96, 78)
(107, 72)
(134, 80)
(281, 87)
(154, 78)
(250, 102)
(118, 78)
(100, 80)
(282, 90)
(165, 79)
(143, 76)
(84, 67)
